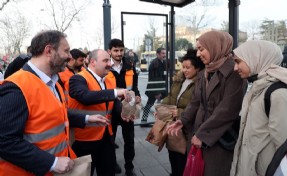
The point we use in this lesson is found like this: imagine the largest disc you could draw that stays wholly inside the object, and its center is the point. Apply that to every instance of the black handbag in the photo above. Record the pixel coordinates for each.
(229, 138)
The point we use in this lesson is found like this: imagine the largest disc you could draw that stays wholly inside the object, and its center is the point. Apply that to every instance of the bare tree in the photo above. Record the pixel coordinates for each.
(253, 29)
(65, 12)
(195, 16)
(14, 30)
(4, 3)
(99, 35)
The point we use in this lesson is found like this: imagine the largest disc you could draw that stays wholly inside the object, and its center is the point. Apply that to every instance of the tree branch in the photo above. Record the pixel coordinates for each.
(3, 4)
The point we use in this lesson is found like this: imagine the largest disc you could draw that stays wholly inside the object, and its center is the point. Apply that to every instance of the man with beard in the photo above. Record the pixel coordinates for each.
(34, 120)
(91, 91)
(126, 77)
(74, 66)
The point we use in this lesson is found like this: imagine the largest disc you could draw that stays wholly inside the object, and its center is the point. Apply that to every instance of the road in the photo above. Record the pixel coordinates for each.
(142, 82)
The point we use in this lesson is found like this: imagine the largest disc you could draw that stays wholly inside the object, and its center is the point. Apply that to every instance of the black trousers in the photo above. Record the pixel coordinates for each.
(128, 133)
(150, 102)
(177, 162)
(102, 151)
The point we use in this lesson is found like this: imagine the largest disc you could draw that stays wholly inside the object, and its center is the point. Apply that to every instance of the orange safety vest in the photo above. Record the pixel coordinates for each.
(92, 132)
(65, 77)
(47, 126)
(128, 78)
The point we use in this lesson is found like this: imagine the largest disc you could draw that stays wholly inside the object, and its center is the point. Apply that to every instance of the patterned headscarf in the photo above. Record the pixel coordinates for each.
(219, 45)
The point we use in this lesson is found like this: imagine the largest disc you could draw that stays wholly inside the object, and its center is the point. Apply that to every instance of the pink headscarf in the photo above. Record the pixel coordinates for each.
(219, 45)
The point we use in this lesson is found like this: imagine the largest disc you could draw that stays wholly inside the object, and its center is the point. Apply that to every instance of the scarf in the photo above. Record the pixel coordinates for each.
(219, 45)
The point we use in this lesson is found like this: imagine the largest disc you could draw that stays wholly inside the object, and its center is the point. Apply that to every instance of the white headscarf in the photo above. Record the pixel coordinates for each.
(262, 57)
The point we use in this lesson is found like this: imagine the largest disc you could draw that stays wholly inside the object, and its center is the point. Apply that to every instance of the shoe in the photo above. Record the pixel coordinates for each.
(131, 173)
(116, 146)
(118, 169)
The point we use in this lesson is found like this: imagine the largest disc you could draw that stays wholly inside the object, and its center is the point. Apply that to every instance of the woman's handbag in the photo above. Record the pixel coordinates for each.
(194, 163)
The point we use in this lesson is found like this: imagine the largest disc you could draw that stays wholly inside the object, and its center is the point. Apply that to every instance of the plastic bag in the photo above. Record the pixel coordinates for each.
(194, 163)
(131, 109)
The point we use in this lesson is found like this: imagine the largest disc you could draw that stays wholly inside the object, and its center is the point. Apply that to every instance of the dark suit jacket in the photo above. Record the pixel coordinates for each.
(78, 89)
(13, 117)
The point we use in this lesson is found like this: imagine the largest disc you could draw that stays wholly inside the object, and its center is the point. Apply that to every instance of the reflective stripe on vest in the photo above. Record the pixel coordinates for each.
(54, 150)
(46, 127)
(58, 148)
(66, 92)
(33, 138)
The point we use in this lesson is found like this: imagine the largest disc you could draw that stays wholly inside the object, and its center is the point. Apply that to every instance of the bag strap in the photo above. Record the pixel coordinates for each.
(270, 89)
(276, 160)
(282, 150)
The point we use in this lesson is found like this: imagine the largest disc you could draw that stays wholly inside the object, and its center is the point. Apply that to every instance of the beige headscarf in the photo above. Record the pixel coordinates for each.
(219, 45)
(261, 56)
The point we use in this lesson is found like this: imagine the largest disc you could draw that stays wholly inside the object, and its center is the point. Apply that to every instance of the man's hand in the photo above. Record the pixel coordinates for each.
(63, 165)
(123, 93)
(99, 119)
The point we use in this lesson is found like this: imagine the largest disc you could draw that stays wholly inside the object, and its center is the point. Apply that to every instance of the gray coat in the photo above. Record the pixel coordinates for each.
(224, 96)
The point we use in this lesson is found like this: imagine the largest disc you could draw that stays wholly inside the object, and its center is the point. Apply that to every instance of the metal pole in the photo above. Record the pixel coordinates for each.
(234, 20)
(172, 44)
(107, 23)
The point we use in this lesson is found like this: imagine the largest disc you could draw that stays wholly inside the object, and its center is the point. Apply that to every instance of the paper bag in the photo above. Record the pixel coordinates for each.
(82, 167)
(176, 143)
(157, 135)
(165, 112)
(131, 108)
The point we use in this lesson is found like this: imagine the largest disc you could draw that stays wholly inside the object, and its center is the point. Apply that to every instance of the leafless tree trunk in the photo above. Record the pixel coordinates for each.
(14, 30)
(65, 12)
(3, 4)
(99, 35)
(253, 29)
(196, 16)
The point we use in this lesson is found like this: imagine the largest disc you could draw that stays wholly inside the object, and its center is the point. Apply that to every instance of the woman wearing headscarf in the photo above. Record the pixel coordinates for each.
(260, 135)
(215, 105)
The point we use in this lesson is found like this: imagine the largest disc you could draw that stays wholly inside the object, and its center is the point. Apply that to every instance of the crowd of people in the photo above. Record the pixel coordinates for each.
(58, 104)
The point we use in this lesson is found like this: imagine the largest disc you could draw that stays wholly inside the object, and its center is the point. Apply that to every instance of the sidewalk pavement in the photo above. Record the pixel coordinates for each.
(148, 161)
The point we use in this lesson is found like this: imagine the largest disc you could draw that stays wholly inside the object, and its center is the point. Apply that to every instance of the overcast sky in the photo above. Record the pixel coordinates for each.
(84, 32)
